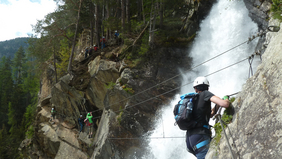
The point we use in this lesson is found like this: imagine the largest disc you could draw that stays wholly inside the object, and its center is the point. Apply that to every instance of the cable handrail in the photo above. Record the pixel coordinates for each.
(127, 107)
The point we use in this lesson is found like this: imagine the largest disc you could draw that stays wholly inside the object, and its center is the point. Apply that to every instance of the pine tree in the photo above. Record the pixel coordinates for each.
(18, 66)
(3, 142)
(19, 98)
(6, 89)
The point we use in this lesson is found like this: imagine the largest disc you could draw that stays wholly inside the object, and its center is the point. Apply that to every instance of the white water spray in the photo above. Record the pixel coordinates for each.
(227, 26)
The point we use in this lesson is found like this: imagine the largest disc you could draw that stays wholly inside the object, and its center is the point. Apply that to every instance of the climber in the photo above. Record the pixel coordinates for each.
(90, 51)
(198, 138)
(117, 37)
(80, 122)
(103, 42)
(95, 48)
(53, 114)
(89, 119)
(86, 52)
(116, 34)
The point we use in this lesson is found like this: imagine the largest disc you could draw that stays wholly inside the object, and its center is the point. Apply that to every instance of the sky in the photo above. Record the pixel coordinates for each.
(17, 16)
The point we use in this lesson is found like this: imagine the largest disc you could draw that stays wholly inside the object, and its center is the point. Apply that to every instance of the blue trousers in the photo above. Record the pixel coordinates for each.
(103, 45)
(198, 145)
(81, 127)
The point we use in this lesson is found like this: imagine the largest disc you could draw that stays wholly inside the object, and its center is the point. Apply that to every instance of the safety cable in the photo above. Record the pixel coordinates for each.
(176, 75)
(250, 69)
(259, 34)
(251, 58)
(142, 138)
(127, 107)
(250, 39)
(228, 144)
(168, 92)
(233, 94)
(218, 117)
(237, 151)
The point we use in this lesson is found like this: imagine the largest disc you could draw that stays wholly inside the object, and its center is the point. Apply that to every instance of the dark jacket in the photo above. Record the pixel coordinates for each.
(80, 120)
(201, 113)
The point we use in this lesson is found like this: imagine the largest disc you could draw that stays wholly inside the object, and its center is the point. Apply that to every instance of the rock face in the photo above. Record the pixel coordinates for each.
(196, 11)
(258, 11)
(256, 127)
(113, 91)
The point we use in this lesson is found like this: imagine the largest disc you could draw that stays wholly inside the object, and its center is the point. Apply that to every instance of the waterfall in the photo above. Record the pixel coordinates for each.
(227, 26)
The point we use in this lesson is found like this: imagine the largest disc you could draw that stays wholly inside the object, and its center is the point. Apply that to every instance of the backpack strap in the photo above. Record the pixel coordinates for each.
(192, 94)
(207, 126)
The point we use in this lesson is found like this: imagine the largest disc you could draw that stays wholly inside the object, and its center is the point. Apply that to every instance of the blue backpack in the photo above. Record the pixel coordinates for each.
(183, 111)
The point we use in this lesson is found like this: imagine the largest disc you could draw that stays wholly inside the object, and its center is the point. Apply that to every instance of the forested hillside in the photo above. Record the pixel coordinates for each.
(9, 47)
(18, 93)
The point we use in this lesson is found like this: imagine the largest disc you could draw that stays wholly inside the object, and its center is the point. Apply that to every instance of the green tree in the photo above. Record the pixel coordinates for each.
(64, 55)
(20, 97)
(3, 142)
(21, 103)
(18, 66)
(6, 88)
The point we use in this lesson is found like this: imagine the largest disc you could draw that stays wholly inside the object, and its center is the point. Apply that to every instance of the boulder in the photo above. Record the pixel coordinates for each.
(102, 73)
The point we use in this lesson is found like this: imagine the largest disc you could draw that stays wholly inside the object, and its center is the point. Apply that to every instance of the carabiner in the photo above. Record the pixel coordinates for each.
(274, 28)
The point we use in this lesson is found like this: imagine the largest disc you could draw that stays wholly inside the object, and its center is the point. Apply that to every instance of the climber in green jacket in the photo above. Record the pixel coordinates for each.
(89, 118)
(53, 114)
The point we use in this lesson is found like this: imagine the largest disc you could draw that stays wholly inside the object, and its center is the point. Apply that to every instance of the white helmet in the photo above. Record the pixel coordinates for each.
(200, 81)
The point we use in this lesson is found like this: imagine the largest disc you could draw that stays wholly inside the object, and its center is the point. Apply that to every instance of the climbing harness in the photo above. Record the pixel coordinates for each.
(201, 144)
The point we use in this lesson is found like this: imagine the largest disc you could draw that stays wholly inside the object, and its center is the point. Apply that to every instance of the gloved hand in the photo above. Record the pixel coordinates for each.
(225, 97)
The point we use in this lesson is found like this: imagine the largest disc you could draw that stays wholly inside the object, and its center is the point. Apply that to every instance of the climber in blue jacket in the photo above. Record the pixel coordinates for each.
(80, 122)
